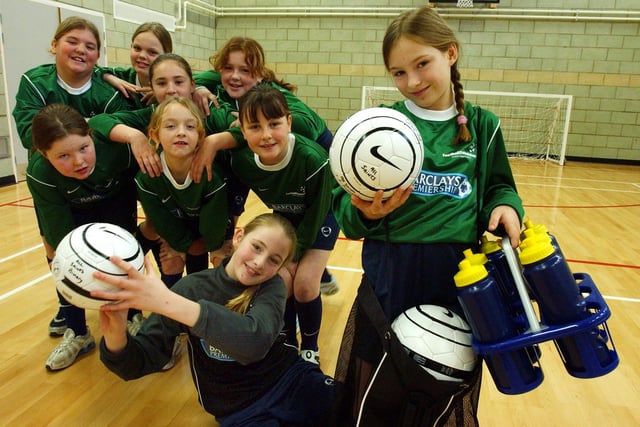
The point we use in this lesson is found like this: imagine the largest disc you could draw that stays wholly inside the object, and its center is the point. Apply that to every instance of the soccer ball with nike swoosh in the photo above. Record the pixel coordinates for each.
(86, 249)
(438, 340)
(376, 149)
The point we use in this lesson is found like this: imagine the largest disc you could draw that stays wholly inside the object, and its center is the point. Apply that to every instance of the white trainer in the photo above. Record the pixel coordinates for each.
(69, 349)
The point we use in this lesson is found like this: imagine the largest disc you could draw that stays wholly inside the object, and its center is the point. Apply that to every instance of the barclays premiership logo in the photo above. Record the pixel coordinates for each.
(215, 353)
(436, 184)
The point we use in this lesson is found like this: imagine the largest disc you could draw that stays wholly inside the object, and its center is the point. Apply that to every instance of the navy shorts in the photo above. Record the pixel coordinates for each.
(328, 234)
(404, 275)
(301, 397)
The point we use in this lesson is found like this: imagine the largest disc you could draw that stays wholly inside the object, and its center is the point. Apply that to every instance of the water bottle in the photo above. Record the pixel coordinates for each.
(502, 273)
(490, 320)
(540, 229)
(561, 302)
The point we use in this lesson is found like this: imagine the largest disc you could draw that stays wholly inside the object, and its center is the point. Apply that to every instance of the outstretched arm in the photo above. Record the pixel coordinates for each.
(145, 292)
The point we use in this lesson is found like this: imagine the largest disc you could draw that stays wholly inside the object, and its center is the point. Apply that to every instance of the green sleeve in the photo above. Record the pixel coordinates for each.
(351, 222)
(305, 121)
(102, 124)
(53, 211)
(209, 79)
(496, 180)
(219, 119)
(214, 215)
(127, 74)
(237, 135)
(28, 103)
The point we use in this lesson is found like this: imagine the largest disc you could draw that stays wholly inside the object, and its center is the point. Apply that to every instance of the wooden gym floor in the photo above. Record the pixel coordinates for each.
(592, 209)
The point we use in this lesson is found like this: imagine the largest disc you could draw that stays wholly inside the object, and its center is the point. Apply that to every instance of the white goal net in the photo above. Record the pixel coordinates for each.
(534, 125)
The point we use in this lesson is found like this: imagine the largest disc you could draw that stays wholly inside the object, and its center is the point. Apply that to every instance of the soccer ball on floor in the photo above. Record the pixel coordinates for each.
(438, 340)
(376, 149)
(86, 249)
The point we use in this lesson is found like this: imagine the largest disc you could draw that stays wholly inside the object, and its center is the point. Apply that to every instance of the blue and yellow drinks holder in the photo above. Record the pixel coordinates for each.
(584, 345)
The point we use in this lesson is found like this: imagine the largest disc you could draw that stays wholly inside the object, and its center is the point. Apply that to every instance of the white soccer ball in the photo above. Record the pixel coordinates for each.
(86, 249)
(438, 340)
(376, 149)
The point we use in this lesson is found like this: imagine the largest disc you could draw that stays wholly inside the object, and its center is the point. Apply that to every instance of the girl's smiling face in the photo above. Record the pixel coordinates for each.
(145, 47)
(423, 73)
(258, 255)
(236, 75)
(178, 132)
(76, 54)
(170, 79)
(268, 138)
(73, 156)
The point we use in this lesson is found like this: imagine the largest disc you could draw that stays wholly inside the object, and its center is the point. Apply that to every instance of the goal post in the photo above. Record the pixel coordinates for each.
(534, 125)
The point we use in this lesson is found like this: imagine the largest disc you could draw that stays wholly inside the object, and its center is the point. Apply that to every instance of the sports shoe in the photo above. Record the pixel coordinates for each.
(175, 355)
(58, 325)
(69, 349)
(134, 325)
(328, 284)
(312, 356)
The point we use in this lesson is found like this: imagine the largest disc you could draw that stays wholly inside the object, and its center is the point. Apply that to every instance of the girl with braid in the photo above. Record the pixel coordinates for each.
(414, 240)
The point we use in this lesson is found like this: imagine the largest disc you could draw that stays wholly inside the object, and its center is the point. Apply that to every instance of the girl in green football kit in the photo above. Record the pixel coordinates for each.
(414, 240)
(291, 175)
(70, 80)
(75, 179)
(148, 41)
(170, 77)
(191, 218)
(238, 66)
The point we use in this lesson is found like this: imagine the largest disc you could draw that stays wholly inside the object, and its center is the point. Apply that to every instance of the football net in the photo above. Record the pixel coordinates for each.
(534, 125)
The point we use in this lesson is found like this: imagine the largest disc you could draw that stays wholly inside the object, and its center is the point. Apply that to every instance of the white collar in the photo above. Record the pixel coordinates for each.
(167, 173)
(74, 90)
(432, 115)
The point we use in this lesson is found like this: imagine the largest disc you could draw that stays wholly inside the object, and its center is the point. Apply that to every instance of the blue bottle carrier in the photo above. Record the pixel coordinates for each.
(594, 361)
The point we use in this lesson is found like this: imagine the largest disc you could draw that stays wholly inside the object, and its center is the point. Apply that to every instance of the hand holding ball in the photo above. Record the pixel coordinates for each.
(86, 249)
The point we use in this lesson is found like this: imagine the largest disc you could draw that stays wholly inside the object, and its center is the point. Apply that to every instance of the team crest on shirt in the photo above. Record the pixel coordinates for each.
(437, 184)
(215, 353)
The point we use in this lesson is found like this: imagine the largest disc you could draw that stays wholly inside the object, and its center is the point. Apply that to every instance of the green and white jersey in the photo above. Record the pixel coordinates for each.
(305, 121)
(299, 187)
(218, 120)
(181, 213)
(55, 196)
(455, 192)
(129, 75)
(41, 86)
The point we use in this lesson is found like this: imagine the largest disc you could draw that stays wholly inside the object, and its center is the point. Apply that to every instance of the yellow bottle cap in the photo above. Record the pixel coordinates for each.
(535, 247)
(469, 273)
(475, 259)
(537, 228)
(489, 246)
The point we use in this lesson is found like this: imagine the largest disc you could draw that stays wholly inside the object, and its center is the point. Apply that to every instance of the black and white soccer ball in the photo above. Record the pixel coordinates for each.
(86, 249)
(376, 149)
(438, 340)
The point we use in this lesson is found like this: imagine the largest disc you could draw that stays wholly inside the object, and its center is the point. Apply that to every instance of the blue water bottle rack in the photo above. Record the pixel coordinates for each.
(593, 362)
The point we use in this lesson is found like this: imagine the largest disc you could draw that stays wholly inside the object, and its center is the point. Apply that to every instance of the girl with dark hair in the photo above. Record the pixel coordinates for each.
(75, 179)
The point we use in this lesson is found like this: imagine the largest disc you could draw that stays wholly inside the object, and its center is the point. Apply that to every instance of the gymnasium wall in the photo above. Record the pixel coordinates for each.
(331, 57)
